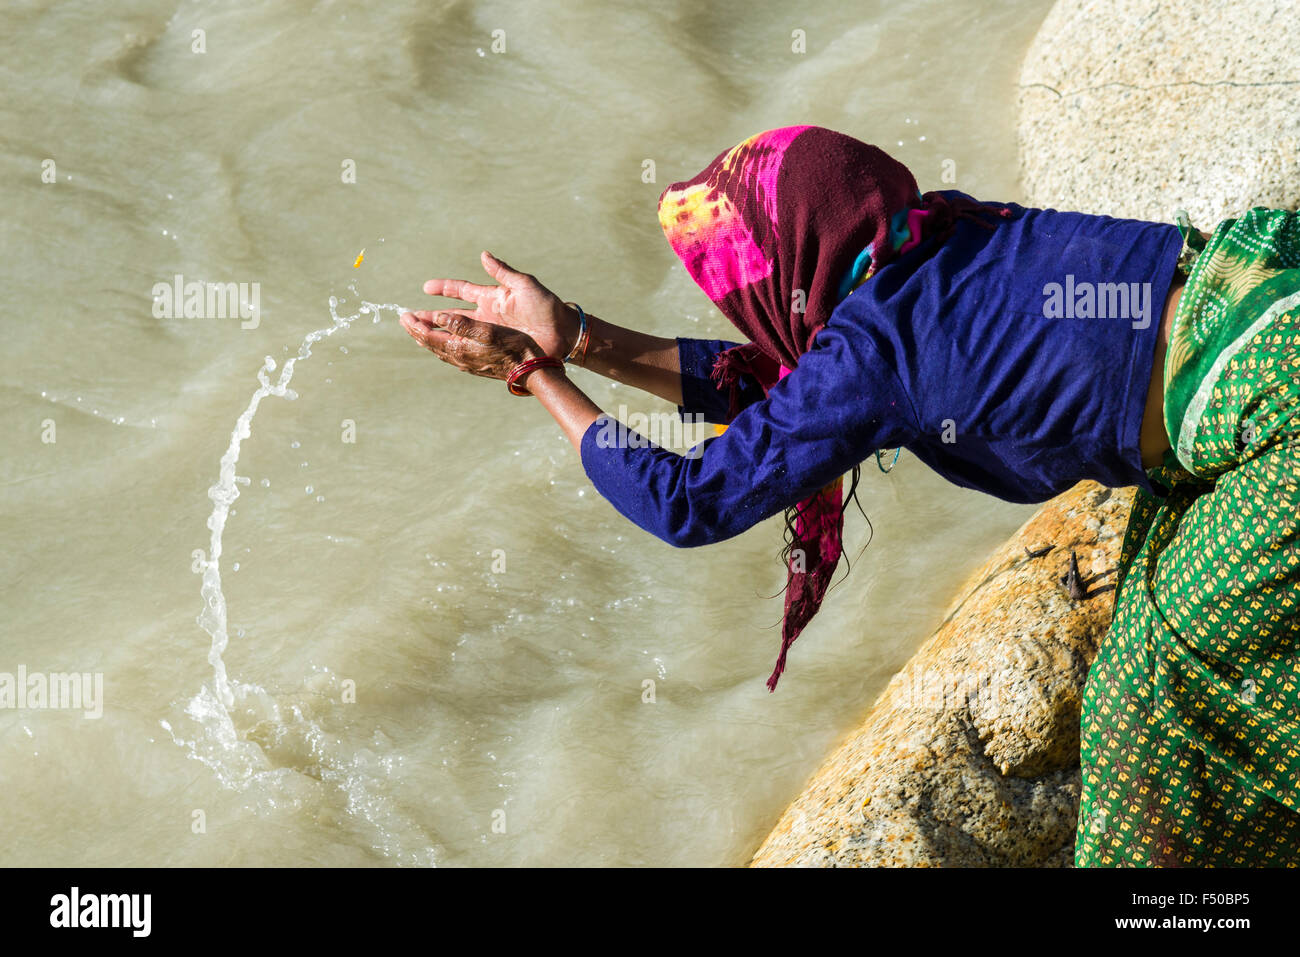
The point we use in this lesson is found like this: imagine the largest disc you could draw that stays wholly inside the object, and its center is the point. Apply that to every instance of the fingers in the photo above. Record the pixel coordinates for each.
(458, 289)
(422, 330)
(450, 349)
(503, 273)
(461, 342)
(510, 280)
(447, 333)
(427, 315)
(462, 326)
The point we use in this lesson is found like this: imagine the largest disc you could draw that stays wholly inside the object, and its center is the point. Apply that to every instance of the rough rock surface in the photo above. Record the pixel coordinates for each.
(970, 755)
(1137, 107)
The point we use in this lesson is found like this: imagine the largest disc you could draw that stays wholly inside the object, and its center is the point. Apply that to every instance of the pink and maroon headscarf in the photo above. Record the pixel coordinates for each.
(776, 230)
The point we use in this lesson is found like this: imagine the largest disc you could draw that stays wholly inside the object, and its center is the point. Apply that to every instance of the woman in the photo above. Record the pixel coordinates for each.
(1016, 351)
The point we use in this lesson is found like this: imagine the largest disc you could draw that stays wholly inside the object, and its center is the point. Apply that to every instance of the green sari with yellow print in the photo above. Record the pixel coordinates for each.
(1190, 731)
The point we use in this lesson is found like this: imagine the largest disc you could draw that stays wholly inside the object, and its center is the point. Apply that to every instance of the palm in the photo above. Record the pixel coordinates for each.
(520, 302)
(527, 309)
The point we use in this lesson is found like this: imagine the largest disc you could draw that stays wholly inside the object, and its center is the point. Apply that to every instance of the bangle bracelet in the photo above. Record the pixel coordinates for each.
(527, 366)
(578, 353)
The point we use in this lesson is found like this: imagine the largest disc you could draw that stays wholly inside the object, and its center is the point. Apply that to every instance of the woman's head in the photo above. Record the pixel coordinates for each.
(771, 227)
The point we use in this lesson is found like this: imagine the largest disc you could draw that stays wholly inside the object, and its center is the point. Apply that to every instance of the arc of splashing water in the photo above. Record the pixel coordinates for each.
(212, 618)
(213, 705)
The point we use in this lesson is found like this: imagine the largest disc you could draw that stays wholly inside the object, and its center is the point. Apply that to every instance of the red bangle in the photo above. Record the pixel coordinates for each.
(527, 366)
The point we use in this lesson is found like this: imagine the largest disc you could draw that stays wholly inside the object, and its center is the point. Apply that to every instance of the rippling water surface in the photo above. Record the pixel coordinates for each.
(427, 645)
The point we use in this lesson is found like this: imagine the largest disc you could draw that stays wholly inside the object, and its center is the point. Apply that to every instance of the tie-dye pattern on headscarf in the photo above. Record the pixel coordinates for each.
(776, 231)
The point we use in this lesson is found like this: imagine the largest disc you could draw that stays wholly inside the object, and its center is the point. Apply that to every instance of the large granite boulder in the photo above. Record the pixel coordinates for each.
(1135, 108)
(970, 755)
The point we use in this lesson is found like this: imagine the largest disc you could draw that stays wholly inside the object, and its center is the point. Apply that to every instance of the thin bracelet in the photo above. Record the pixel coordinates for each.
(527, 366)
(578, 353)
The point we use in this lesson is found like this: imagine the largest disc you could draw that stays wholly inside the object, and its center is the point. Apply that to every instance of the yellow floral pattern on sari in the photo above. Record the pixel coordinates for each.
(1190, 728)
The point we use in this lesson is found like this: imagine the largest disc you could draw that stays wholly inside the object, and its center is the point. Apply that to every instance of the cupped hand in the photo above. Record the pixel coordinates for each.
(479, 348)
(519, 302)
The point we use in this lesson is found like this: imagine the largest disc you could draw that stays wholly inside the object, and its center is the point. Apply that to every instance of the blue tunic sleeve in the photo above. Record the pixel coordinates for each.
(700, 395)
(841, 404)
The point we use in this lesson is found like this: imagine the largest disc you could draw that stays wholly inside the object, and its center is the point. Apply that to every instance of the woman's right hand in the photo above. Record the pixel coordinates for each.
(520, 302)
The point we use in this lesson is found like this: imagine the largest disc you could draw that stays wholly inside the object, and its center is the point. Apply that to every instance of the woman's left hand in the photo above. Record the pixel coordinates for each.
(479, 348)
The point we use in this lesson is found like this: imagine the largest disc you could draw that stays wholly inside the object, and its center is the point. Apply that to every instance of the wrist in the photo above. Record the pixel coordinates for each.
(577, 353)
(569, 326)
(528, 353)
(528, 368)
(544, 381)
(539, 380)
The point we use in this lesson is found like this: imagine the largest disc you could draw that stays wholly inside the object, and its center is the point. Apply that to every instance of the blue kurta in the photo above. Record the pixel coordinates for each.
(1014, 361)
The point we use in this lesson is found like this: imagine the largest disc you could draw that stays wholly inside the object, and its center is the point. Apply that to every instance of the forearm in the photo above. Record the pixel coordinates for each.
(568, 404)
(645, 362)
